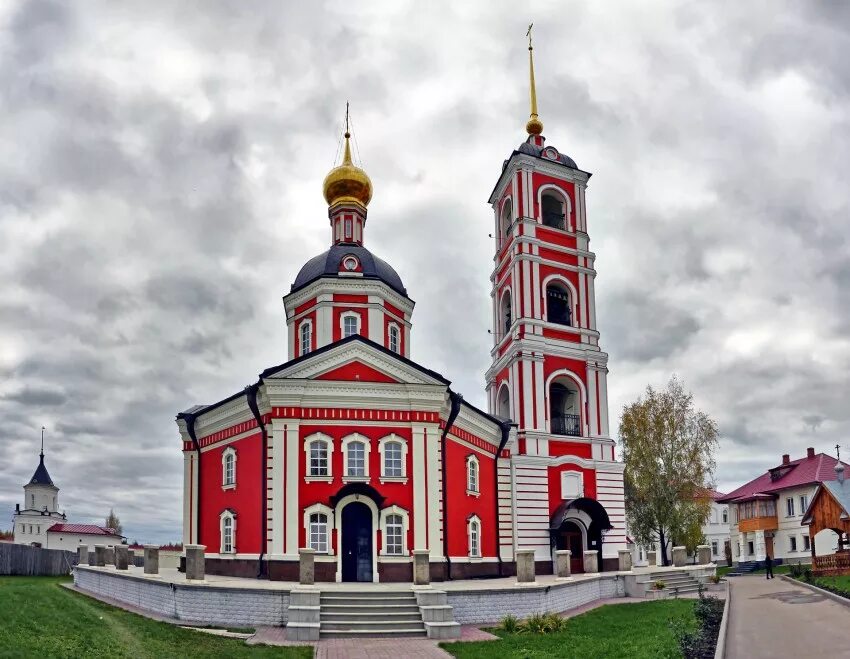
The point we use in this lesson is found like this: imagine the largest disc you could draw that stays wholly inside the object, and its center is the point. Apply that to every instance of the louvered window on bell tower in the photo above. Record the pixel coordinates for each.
(506, 314)
(553, 212)
(558, 305)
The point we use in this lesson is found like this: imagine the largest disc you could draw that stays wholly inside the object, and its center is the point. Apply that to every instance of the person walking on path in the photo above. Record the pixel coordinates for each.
(768, 567)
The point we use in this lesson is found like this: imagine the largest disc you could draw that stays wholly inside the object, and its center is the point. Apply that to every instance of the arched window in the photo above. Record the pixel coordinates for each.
(395, 529)
(394, 338)
(306, 337)
(318, 458)
(318, 451)
(228, 532)
(318, 532)
(473, 531)
(393, 465)
(505, 313)
(472, 475)
(564, 408)
(355, 457)
(558, 307)
(503, 403)
(228, 467)
(350, 324)
(506, 221)
(553, 211)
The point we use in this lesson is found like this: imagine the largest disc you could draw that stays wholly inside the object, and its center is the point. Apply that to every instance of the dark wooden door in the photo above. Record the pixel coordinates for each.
(356, 542)
(768, 546)
(574, 544)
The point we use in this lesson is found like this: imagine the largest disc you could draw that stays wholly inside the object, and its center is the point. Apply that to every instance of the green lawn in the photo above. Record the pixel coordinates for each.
(777, 569)
(40, 618)
(613, 630)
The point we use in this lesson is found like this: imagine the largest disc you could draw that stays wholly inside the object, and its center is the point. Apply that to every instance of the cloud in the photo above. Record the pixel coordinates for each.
(160, 187)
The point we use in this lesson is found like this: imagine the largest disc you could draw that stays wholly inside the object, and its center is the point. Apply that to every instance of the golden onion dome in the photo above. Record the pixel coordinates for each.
(347, 183)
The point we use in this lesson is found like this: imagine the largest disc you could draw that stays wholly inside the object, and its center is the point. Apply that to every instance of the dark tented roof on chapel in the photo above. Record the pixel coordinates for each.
(41, 477)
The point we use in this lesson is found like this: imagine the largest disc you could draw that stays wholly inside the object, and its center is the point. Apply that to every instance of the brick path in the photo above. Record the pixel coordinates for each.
(775, 618)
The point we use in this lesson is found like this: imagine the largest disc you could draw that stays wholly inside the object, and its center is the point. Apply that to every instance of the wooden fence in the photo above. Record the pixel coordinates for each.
(831, 565)
(35, 561)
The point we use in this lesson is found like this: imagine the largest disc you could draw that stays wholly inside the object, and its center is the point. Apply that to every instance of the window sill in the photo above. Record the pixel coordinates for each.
(318, 479)
(355, 479)
(476, 559)
(472, 493)
(393, 479)
(231, 486)
(394, 558)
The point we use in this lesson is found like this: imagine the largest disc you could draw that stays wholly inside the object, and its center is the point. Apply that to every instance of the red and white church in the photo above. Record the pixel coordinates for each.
(357, 451)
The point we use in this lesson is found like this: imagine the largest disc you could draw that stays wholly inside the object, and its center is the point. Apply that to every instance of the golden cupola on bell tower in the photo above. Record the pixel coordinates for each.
(348, 191)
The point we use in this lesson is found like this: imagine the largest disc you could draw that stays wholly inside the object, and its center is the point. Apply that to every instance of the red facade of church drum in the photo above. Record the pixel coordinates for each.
(353, 449)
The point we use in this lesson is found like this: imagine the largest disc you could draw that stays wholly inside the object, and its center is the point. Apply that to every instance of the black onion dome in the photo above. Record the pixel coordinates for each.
(537, 152)
(328, 264)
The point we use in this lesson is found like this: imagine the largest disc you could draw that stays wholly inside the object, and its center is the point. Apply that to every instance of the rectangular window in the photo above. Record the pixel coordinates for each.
(319, 532)
(349, 326)
(394, 531)
(306, 338)
(318, 459)
(356, 459)
(750, 548)
(392, 460)
(348, 228)
(714, 547)
(793, 543)
(394, 339)
(227, 540)
(725, 515)
(807, 543)
(789, 507)
(229, 476)
(474, 549)
(804, 503)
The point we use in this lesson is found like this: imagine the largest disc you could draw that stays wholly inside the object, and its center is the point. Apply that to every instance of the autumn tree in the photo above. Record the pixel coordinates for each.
(112, 522)
(668, 449)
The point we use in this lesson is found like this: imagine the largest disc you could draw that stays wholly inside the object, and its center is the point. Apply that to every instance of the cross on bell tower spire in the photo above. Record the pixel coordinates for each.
(534, 126)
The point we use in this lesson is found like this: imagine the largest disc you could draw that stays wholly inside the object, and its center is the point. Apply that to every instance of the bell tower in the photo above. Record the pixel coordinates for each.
(548, 372)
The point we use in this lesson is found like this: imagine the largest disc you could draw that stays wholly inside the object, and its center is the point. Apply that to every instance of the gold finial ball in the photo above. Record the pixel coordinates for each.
(347, 184)
(534, 126)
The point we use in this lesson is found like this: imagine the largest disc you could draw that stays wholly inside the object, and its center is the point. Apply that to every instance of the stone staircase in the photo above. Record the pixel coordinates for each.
(679, 582)
(746, 567)
(374, 613)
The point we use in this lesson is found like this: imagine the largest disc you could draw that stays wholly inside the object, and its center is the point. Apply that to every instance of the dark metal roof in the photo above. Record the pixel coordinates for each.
(41, 477)
(536, 151)
(327, 264)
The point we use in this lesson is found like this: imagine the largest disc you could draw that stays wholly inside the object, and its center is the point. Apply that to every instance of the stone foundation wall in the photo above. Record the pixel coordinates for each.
(492, 605)
(214, 606)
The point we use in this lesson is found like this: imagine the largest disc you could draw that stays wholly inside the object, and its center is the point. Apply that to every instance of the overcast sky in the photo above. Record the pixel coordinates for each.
(160, 186)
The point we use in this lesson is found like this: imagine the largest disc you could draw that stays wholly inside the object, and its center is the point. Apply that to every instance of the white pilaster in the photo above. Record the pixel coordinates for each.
(277, 450)
(592, 420)
(376, 321)
(290, 487)
(420, 498)
(324, 320)
(435, 521)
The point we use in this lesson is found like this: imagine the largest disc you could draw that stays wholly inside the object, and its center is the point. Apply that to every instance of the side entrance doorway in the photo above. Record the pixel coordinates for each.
(357, 542)
(570, 537)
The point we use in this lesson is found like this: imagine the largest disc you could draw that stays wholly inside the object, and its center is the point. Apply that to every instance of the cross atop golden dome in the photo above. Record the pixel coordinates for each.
(534, 126)
(347, 183)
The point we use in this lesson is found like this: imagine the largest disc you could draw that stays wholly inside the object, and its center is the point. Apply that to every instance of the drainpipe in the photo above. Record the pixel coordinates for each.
(190, 428)
(506, 434)
(251, 396)
(456, 400)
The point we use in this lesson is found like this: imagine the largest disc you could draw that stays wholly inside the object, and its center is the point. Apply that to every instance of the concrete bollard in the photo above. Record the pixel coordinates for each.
(121, 557)
(82, 554)
(110, 556)
(525, 566)
(704, 554)
(195, 562)
(100, 555)
(151, 559)
(591, 561)
(421, 567)
(651, 559)
(624, 560)
(680, 556)
(306, 566)
(562, 563)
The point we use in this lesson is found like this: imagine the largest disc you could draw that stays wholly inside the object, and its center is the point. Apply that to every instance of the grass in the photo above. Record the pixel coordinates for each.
(611, 631)
(40, 618)
(839, 584)
(777, 569)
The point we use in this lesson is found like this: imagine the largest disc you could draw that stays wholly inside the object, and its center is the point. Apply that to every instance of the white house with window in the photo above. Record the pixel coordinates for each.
(716, 529)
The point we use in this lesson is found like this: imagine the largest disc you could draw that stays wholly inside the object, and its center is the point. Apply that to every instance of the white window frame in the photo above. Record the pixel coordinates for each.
(393, 327)
(472, 460)
(789, 507)
(382, 443)
(575, 476)
(804, 503)
(329, 448)
(231, 517)
(792, 543)
(556, 191)
(725, 515)
(308, 325)
(807, 543)
(229, 452)
(367, 448)
(320, 509)
(715, 547)
(349, 314)
(405, 527)
(474, 522)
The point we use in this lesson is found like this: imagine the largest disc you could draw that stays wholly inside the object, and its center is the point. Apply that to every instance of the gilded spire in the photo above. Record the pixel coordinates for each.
(534, 126)
(347, 183)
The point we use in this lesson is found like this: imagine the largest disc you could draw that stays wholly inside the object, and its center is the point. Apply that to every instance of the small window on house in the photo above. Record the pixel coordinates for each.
(472, 474)
(356, 459)
(474, 534)
(714, 547)
(725, 514)
(318, 458)
(228, 535)
(750, 549)
(807, 543)
(318, 532)
(349, 326)
(804, 503)
(395, 529)
(793, 540)
(228, 467)
(393, 465)
(553, 212)
(789, 507)
(306, 337)
(558, 309)
(394, 343)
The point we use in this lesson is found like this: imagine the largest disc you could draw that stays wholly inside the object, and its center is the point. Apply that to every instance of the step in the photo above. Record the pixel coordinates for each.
(370, 609)
(385, 633)
(368, 594)
(344, 599)
(371, 625)
(358, 616)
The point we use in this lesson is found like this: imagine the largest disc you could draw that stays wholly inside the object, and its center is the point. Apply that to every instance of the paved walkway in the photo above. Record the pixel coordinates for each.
(774, 618)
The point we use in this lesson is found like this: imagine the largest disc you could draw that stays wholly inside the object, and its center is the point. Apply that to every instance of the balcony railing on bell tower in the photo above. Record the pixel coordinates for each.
(566, 424)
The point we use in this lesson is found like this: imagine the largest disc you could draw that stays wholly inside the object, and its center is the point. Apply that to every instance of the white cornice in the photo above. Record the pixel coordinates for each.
(329, 286)
(518, 161)
(608, 466)
(355, 395)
